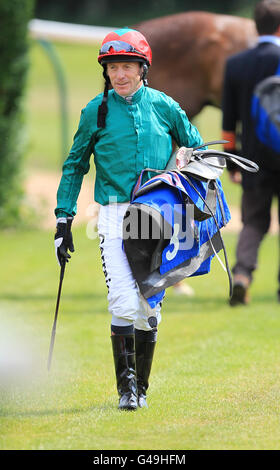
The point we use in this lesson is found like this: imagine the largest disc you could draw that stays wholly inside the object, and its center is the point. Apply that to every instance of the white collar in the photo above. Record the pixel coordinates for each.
(269, 38)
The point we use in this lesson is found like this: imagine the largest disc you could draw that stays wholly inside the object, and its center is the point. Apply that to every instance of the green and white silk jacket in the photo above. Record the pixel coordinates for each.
(138, 135)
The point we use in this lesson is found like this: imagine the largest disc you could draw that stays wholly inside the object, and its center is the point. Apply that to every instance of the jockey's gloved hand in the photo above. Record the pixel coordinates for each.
(63, 240)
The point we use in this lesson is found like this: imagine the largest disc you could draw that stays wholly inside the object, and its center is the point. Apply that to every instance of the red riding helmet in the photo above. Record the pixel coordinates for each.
(125, 45)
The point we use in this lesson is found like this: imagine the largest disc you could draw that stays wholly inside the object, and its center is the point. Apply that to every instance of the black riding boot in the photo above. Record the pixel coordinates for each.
(125, 366)
(145, 342)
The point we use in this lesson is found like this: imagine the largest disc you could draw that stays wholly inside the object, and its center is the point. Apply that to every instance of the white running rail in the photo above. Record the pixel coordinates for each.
(56, 30)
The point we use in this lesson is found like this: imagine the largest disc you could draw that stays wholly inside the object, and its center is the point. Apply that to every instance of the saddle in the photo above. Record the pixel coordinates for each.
(171, 229)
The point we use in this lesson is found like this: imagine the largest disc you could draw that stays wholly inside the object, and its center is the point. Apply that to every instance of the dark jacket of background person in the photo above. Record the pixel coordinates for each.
(243, 71)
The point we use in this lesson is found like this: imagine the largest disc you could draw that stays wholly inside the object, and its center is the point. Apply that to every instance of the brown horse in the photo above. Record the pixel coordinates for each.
(189, 53)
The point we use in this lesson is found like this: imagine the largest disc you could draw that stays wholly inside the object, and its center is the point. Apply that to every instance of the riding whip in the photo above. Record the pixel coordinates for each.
(62, 269)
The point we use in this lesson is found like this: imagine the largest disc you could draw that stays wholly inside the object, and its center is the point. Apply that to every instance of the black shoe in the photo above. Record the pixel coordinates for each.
(125, 367)
(128, 401)
(145, 346)
(142, 400)
(239, 295)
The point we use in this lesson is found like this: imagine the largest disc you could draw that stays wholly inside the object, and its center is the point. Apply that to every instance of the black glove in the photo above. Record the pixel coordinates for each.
(63, 240)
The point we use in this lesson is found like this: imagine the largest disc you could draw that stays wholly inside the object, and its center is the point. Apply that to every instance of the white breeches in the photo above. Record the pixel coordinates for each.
(126, 304)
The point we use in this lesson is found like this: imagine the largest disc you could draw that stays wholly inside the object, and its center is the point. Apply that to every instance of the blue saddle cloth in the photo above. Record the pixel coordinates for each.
(183, 204)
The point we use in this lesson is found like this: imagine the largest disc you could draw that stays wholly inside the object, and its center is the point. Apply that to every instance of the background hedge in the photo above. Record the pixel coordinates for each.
(15, 15)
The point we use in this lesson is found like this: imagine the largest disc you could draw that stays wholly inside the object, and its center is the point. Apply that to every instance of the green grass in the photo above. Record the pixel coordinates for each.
(214, 382)
(83, 82)
(215, 377)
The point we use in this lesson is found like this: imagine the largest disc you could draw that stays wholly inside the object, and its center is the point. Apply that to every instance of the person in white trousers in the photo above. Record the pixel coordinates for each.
(127, 128)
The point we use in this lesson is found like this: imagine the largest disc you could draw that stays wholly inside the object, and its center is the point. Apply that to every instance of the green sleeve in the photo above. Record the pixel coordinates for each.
(74, 168)
(183, 131)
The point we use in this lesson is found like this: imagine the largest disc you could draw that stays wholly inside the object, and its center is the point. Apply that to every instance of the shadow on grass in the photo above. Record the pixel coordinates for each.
(196, 303)
(56, 412)
(19, 297)
(265, 298)
(170, 301)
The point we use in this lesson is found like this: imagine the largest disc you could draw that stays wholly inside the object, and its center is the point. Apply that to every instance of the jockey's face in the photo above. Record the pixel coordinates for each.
(125, 77)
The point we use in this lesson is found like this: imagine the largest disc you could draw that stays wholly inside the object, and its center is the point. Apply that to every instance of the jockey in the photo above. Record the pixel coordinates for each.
(127, 128)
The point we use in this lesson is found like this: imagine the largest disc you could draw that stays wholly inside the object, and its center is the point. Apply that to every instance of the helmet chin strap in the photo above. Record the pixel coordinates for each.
(145, 71)
(103, 108)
